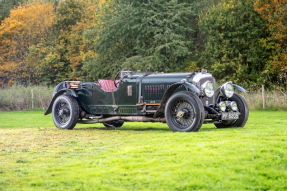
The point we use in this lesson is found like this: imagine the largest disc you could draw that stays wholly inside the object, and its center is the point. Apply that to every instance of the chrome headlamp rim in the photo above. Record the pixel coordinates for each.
(208, 88)
(227, 89)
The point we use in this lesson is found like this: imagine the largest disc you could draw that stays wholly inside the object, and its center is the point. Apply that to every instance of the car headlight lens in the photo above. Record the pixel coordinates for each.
(208, 89)
(222, 106)
(227, 89)
(233, 106)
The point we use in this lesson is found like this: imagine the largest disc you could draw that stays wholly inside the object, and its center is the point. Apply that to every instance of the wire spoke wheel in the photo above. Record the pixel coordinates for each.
(65, 112)
(117, 123)
(243, 117)
(187, 111)
(184, 112)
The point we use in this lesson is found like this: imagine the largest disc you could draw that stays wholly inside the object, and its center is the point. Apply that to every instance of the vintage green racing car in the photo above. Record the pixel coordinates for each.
(182, 100)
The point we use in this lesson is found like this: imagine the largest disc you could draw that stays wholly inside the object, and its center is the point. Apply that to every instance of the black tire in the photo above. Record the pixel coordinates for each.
(244, 113)
(117, 123)
(58, 88)
(201, 107)
(192, 107)
(65, 112)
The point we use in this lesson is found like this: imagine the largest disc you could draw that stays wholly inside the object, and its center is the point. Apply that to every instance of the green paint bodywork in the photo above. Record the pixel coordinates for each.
(95, 100)
(139, 93)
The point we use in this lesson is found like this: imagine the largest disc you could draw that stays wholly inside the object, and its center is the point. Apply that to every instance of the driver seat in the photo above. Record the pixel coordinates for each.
(106, 85)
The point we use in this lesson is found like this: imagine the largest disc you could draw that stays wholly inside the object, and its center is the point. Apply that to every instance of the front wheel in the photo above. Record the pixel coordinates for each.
(65, 112)
(184, 112)
(243, 117)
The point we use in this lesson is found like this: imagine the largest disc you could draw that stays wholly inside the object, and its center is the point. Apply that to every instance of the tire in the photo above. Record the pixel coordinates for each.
(243, 117)
(192, 107)
(110, 124)
(58, 88)
(65, 112)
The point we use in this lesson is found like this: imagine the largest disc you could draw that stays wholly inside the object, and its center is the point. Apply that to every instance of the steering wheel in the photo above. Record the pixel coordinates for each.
(117, 83)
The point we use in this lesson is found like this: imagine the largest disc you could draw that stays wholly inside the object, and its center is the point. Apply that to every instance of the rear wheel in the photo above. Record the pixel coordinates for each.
(65, 112)
(117, 123)
(243, 117)
(184, 112)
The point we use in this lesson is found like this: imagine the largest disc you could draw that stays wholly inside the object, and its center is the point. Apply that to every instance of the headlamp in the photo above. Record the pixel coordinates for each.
(227, 89)
(222, 106)
(208, 88)
(233, 106)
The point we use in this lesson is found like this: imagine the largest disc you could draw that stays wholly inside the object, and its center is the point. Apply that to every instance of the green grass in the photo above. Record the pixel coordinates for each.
(34, 155)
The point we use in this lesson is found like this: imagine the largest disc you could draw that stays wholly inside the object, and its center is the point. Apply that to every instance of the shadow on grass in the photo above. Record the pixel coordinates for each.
(222, 129)
(166, 129)
(124, 129)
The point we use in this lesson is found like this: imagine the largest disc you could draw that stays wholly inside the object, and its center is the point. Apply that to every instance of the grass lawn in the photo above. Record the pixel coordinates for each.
(35, 155)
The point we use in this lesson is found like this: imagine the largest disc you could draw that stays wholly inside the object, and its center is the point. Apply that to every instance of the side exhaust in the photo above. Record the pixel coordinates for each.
(125, 118)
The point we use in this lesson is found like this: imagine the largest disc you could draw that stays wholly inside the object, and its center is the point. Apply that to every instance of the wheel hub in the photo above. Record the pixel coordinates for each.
(61, 112)
(64, 111)
(183, 113)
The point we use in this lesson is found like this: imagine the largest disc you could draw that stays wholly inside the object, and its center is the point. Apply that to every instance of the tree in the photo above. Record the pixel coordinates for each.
(233, 50)
(62, 55)
(7, 5)
(275, 12)
(199, 7)
(140, 34)
(26, 26)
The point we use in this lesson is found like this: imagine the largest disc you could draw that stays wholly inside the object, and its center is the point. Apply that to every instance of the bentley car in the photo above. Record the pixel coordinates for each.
(182, 100)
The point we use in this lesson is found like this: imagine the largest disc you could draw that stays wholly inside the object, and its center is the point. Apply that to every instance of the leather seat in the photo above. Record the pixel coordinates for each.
(106, 85)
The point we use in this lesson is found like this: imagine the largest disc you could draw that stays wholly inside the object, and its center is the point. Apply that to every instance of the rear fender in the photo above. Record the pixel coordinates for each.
(62, 91)
(169, 92)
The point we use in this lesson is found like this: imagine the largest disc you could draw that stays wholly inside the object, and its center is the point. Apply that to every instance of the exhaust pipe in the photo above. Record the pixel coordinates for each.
(125, 118)
(143, 119)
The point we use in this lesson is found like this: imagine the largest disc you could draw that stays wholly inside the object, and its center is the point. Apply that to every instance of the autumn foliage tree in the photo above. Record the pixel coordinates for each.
(61, 56)
(7, 5)
(49, 41)
(26, 26)
(275, 12)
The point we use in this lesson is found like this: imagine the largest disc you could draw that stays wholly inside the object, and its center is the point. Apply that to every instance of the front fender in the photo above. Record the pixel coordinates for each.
(49, 110)
(190, 86)
(171, 89)
(217, 91)
(169, 92)
(239, 88)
